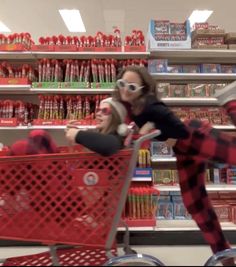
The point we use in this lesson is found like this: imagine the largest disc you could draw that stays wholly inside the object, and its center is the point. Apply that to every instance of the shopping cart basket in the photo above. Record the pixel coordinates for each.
(66, 198)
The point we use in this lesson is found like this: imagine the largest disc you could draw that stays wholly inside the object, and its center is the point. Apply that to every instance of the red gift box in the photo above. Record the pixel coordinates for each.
(47, 122)
(108, 49)
(86, 49)
(15, 81)
(129, 48)
(47, 48)
(8, 122)
(65, 48)
(13, 47)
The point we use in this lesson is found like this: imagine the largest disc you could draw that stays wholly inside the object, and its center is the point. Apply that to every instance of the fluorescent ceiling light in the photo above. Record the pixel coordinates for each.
(73, 20)
(4, 28)
(199, 16)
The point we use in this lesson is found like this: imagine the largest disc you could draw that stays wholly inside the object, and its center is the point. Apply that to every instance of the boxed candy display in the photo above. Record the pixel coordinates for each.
(164, 34)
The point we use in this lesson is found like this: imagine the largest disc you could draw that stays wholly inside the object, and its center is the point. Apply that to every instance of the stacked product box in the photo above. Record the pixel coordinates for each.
(208, 36)
(164, 34)
(171, 207)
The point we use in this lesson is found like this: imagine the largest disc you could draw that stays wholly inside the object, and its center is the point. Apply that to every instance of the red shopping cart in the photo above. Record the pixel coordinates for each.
(67, 198)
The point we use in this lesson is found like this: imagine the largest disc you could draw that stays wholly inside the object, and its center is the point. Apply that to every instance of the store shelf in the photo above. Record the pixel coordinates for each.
(193, 77)
(15, 89)
(164, 160)
(196, 55)
(89, 55)
(16, 55)
(210, 188)
(141, 179)
(70, 91)
(188, 101)
(176, 225)
(186, 225)
(225, 127)
(46, 127)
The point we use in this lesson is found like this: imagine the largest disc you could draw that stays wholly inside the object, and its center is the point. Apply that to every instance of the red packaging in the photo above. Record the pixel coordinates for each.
(65, 48)
(15, 81)
(13, 47)
(130, 48)
(41, 47)
(8, 122)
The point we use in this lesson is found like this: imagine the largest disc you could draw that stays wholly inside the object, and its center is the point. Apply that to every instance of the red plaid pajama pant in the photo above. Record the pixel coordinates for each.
(204, 144)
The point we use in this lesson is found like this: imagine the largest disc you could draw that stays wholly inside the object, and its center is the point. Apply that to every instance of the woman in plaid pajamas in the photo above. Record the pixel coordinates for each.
(196, 142)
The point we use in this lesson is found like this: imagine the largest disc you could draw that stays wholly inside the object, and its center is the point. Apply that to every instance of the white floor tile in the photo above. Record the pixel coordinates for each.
(169, 255)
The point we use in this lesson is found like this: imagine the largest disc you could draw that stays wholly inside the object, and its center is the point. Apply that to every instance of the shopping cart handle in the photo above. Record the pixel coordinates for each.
(146, 137)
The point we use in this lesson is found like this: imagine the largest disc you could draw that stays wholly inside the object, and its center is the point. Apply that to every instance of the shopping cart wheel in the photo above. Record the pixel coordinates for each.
(226, 257)
(134, 260)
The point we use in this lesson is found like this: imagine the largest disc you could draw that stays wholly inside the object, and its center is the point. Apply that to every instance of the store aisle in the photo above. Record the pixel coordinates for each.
(170, 255)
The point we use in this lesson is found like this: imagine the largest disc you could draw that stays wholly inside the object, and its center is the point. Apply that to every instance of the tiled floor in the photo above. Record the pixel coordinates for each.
(169, 255)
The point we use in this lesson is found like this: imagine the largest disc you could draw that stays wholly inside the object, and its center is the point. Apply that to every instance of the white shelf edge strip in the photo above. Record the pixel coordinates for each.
(164, 159)
(177, 225)
(210, 188)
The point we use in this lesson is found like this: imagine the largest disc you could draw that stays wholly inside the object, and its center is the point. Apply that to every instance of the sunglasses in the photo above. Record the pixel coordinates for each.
(132, 87)
(104, 111)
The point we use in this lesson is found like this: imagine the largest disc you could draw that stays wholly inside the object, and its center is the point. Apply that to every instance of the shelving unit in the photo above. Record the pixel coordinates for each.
(210, 188)
(174, 56)
(196, 55)
(193, 77)
(176, 225)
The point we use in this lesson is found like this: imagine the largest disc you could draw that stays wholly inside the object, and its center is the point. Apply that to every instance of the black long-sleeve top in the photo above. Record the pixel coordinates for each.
(104, 144)
(154, 111)
(164, 119)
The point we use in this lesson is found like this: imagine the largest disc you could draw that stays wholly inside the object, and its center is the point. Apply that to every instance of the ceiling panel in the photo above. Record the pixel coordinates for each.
(41, 18)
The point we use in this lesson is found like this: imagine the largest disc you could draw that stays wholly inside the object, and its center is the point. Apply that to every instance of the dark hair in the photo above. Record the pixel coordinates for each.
(148, 83)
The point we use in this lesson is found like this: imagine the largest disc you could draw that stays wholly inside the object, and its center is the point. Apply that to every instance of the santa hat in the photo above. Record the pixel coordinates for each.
(122, 112)
(37, 142)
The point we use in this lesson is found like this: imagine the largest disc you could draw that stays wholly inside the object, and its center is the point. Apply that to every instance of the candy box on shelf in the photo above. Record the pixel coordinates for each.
(231, 176)
(163, 177)
(15, 81)
(51, 85)
(108, 49)
(13, 47)
(65, 48)
(178, 90)
(191, 68)
(210, 68)
(157, 65)
(163, 90)
(165, 210)
(160, 149)
(130, 48)
(228, 68)
(175, 68)
(160, 35)
(86, 49)
(75, 85)
(47, 122)
(198, 90)
(105, 85)
(43, 48)
(8, 122)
